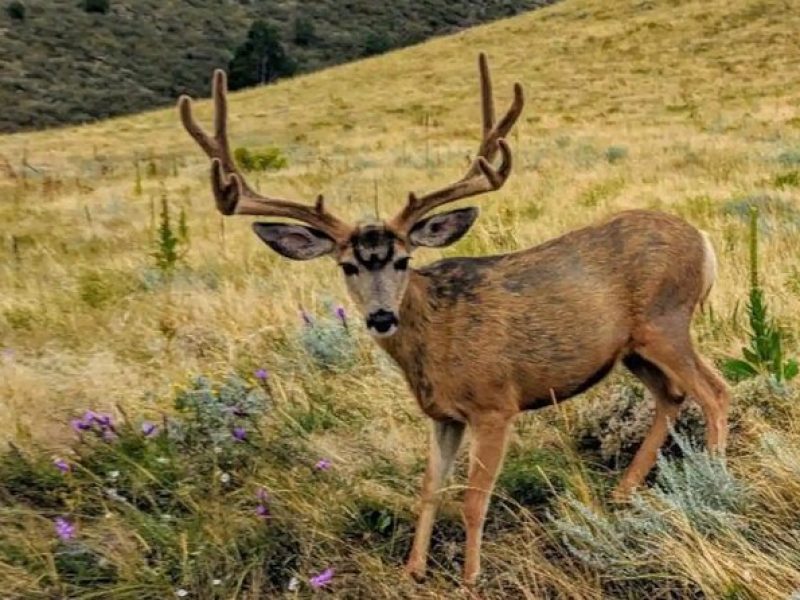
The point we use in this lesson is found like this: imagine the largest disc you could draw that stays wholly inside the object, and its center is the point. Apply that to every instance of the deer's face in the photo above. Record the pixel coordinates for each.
(374, 259)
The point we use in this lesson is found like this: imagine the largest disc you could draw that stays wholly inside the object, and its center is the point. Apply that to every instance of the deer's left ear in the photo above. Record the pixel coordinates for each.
(443, 229)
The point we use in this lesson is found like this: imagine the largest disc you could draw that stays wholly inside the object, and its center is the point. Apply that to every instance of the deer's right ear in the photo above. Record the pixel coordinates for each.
(297, 242)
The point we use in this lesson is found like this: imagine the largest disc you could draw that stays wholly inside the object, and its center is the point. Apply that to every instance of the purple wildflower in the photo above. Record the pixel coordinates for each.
(262, 511)
(64, 529)
(80, 425)
(323, 464)
(103, 420)
(262, 494)
(61, 465)
(239, 433)
(342, 316)
(322, 579)
(148, 428)
(261, 374)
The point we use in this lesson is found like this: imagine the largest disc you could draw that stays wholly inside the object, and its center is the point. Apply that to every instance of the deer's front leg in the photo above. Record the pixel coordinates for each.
(488, 447)
(446, 439)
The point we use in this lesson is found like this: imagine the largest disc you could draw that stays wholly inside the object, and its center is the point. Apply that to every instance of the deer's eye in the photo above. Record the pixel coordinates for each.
(349, 269)
(401, 264)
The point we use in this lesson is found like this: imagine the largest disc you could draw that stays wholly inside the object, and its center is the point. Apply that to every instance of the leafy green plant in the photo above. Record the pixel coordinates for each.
(266, 159)
(765, 350)
(172, 244)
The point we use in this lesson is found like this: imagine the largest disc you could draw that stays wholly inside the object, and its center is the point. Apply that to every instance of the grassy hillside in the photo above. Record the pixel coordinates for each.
(62, 64)
(692, 107)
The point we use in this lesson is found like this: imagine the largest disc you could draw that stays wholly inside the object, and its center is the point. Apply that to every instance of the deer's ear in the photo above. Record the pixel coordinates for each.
(443, 229)
(297, 242)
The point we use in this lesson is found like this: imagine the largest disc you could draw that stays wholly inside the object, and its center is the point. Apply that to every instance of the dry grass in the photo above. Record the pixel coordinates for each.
(705, 101)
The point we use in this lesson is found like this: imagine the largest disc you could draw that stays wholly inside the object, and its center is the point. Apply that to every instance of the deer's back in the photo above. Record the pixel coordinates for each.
(559, 315)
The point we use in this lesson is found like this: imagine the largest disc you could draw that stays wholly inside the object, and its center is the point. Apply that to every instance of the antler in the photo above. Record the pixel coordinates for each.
(232, 193)
(482, 176)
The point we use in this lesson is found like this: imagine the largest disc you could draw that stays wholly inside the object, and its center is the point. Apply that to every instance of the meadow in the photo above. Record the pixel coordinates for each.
(247, 436)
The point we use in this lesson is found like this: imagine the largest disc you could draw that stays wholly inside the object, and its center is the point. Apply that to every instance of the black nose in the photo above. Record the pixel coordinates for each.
(382, 320)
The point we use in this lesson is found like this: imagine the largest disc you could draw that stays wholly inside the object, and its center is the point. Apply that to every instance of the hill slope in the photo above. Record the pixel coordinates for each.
(688, 106)
(64, 65)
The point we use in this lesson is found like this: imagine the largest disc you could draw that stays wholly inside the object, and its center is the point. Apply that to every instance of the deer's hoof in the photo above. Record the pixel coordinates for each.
(415, 570)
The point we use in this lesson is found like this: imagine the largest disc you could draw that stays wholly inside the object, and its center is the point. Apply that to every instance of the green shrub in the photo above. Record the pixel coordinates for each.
(96, 6)
(261, 58)
(328, 341)
(376, 42)
(16, 10)
(266, 159)
(615, 154)
(697, 490)
(789, 158)
(788, 179)
(304, 33)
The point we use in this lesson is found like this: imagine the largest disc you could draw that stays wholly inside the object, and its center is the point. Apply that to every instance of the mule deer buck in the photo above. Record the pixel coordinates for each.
(482, 339)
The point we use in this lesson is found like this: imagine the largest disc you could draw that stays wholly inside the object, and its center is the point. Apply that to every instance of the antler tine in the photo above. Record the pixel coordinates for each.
(232, 193)
(487, 98)
(481, 177)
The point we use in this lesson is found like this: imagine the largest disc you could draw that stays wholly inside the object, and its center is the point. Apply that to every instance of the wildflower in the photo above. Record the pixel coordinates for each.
(148, 428)
(262, 511)
(306, 317)
(322, 579)
(294, 583)
(216, 582)
(262, 494)
(261, 374)
(80, 425)
(113, 474)
(181, 593)
(64, 529)
(103, 420)
(225, 477)
(323, 464)
(341, 315)
(61, 465)
(109, 435)
(239, 433)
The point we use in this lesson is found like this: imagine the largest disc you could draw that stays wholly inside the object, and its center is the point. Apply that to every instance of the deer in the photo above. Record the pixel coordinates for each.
(483, 339)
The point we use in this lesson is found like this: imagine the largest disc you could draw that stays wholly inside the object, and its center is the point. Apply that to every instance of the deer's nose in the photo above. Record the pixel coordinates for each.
(382, 321)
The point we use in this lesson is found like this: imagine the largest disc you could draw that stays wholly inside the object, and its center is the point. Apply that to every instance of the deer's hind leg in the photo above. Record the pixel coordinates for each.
(446, 438)
(666, 343)
(669, 401)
